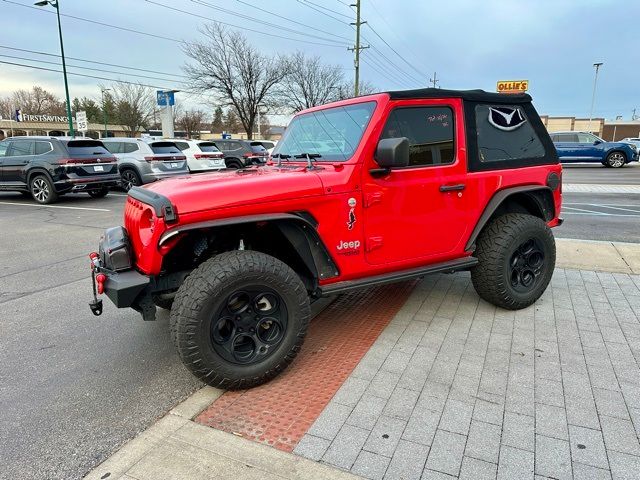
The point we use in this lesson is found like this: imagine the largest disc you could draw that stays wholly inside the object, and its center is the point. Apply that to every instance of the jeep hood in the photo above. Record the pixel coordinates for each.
(206, 191)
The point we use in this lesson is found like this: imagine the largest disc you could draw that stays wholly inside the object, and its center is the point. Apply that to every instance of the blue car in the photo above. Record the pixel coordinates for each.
(586, 147)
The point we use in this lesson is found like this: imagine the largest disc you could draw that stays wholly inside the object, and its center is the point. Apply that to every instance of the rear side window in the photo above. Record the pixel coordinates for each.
(164, 147)
(130, 147)
(208, 147)
(18, 148)
(429, 130)
(567, 137)
(505, 133)
(86, 147)
(43, 147)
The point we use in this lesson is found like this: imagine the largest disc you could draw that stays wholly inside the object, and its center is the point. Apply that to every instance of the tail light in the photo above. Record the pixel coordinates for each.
(207, 155)
(248, 155)
(160, 158)
(85, 161)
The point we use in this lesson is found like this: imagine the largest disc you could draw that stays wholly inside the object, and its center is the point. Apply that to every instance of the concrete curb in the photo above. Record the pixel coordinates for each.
(616, 257)
(175, 447)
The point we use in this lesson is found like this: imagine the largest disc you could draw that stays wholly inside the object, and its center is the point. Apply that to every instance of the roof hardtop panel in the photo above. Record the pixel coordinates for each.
(471, 95)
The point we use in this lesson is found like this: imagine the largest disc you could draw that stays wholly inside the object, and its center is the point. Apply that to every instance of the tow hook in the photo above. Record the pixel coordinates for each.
(96, 305)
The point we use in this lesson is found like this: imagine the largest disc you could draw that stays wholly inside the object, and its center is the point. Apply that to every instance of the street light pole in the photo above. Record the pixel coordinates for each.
(104, 110)
(593, 96)
(54, 3)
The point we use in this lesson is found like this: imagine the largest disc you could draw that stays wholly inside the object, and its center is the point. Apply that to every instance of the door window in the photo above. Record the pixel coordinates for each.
(430, 133)
(129, 147)
(568, 137)
(18, 148)
(3, 148)
(586, 138)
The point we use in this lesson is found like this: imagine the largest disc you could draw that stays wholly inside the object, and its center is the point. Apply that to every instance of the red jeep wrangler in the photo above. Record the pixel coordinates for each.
(360, 192)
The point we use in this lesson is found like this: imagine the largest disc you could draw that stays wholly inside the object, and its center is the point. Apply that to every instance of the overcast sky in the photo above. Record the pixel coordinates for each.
(469, 43)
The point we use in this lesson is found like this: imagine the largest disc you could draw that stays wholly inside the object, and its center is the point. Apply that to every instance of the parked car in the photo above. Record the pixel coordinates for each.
(47, 167)
(633, 141)
(242, 153)
(423, 181)
(269, 145)
(586, 147)
(143, 161)
(202, 155)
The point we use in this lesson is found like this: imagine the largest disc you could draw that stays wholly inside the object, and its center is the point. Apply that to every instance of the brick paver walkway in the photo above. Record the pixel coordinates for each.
(454, 387)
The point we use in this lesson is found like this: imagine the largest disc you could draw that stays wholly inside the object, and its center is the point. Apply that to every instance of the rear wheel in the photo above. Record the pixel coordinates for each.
(99, 193)
(233, 164)
(517, 256)
(616, 159)
(42, 189)
(239, 319)
(130, 178)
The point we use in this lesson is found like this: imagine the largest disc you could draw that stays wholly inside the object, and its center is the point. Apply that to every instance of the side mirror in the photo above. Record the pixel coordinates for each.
(597, 142)
(391, 153)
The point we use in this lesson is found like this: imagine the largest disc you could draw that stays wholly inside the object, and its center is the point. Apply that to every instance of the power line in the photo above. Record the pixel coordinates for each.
(90, 68)
(238, 26)
(93, 61)
(81, 74)
(321, 11)
(382, 70)
(96, 22)
(327, 9)
(282, 17)
(394, 50)
(262, 22)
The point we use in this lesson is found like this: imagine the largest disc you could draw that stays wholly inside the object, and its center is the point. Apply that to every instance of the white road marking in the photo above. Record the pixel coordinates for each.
(55, 206)
(118, 195)
(595, 214)
(601, 204)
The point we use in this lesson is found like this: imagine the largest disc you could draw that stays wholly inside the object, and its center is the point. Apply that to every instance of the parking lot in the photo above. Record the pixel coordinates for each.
(76, 387)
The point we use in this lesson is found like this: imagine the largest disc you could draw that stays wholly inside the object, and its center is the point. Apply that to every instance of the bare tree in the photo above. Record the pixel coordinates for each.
(191, 122)
(231, 69)
(309, 82)
(38, 101)
(134, 105)
(345, 90)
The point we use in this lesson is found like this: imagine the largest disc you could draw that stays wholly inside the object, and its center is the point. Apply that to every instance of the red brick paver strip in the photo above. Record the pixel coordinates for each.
(280, 412)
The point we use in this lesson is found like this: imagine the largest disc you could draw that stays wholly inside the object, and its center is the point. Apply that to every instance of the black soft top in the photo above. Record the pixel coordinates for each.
(472, 95)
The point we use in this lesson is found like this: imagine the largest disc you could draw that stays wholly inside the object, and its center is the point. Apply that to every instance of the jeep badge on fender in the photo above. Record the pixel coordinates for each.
(375, 189)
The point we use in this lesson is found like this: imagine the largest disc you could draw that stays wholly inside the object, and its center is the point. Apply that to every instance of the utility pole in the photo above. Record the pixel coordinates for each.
(356, 49)
(104, 110)
(434, 80)
(593, 96)
(633, 115)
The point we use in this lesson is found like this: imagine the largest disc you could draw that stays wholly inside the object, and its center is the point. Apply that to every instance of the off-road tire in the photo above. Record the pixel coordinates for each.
(496, 246)
(99, 193)
(207, 288)
(42, 189)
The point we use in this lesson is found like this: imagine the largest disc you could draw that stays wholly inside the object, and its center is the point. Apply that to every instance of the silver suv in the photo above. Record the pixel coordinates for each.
(143, 161)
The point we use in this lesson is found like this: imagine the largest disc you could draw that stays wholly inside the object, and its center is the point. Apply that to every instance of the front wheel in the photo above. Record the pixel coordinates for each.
(239, 319)
(616, 159)
(516, 258)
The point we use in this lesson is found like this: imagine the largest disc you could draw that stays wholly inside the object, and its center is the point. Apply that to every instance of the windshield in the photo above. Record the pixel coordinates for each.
(333, 133)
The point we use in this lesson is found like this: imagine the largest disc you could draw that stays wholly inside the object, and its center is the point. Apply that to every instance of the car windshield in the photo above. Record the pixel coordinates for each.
(208, 147)
(333, 132)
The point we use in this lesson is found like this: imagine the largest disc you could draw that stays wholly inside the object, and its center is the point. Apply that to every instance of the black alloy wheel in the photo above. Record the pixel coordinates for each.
(249, 325)
(129, 179)
(526, 265)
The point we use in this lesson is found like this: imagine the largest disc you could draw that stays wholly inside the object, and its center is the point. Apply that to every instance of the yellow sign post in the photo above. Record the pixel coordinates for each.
(512, 86)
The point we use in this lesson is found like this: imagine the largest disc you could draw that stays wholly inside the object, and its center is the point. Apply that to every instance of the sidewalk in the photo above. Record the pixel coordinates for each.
(451, 388)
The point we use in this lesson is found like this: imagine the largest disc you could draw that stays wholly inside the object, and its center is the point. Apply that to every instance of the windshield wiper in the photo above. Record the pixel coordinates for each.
(309, 157)
(280, 157)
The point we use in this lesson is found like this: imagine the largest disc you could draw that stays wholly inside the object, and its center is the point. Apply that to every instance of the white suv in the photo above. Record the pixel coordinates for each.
(143, 161)
(202, 155)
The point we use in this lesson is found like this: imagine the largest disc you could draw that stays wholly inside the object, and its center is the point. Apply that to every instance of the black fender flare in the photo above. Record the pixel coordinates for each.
(498, 199)
(299, 228)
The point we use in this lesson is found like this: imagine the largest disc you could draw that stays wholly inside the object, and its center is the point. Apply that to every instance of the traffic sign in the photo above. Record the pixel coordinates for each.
(162, 98)
(81, 120)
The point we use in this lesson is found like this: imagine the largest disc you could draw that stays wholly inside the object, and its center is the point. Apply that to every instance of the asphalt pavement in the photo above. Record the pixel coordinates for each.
(76, 387)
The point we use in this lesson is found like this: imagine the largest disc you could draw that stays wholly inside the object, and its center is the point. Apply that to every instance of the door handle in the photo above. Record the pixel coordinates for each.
(451, 188)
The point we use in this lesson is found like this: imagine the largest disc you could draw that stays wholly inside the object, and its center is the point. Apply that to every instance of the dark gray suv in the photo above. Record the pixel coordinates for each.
(47, 167)
(242, 153)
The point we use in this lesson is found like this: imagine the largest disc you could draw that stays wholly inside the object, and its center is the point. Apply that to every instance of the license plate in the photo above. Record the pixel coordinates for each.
(175, 165)
(98, 168)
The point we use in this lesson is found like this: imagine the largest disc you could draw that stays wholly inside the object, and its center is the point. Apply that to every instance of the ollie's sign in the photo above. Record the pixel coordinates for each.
(512, 86)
